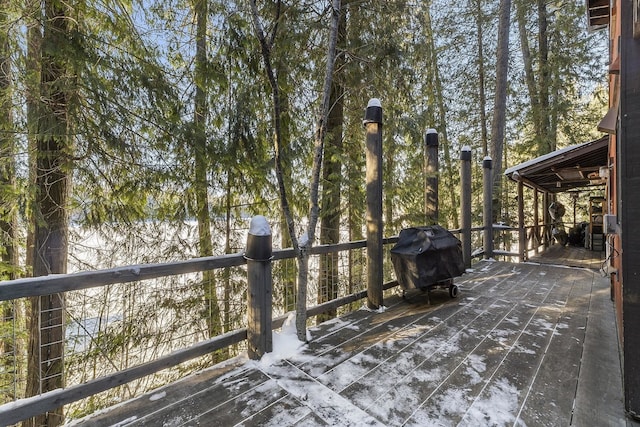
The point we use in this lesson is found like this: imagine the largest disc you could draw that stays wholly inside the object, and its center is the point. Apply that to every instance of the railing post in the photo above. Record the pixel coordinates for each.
(522, 237)
(487, 208)
(259, 295)
(373, 126)
(431, 201)
(465, 204)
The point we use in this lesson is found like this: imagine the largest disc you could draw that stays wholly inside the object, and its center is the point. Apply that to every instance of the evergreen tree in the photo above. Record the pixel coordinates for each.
(54, 167)
(8, 185)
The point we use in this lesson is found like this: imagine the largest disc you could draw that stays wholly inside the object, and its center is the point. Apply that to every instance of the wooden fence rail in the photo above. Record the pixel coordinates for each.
(22, 409)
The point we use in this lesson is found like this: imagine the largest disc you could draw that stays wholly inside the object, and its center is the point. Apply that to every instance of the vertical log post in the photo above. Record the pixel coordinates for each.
(522, 236)
(373, 126)
(259, 295)
(546, 237)
(431, 176)
(487, 208)
(536, 221)
(465, 204)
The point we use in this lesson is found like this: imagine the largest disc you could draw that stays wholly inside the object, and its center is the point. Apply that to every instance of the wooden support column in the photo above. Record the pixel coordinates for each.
(465, 204)
(259, 294)
(536, 221)
(487, 209)
(546, 237)
(522, 236)
(373, 127)
(431, 201)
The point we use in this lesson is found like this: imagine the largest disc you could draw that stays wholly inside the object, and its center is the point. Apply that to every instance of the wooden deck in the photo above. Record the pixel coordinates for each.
(524, 344)
(572, 256)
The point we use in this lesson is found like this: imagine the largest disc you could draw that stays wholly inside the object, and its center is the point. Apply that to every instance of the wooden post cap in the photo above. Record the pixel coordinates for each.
(465, 153)
(487, 163)
(259, 244)
(374, 112)
(431, 137)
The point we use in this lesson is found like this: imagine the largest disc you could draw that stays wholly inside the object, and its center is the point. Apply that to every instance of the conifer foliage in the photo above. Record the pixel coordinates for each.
(139, 131)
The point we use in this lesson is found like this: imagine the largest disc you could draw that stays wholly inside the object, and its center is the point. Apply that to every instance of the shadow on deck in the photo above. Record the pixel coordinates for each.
(524, 344)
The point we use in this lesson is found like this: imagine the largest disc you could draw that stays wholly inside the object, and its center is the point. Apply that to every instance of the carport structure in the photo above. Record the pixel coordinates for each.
(581, 166)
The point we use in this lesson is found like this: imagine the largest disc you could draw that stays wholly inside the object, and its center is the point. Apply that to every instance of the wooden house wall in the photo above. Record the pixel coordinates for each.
(624, 199)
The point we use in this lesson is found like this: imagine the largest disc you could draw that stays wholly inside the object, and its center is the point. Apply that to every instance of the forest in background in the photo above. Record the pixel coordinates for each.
(153, 123)
(150, 125)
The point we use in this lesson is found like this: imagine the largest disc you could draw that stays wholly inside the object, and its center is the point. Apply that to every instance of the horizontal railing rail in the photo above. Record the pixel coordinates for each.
(56, 283)
(22, 409)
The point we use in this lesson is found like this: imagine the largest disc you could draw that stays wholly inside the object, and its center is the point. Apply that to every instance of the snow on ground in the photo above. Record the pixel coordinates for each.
(285, 343)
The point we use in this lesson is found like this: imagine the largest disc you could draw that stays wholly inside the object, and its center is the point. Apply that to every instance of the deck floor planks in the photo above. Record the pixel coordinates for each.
(551, 397)
(598, 395)
(352, 338)
(508, 351)
(454, 397)
(511, 381)
(282, 412)
(226, 395)
(151, 403)
(390, 361)
(573, 256)
(438, 373)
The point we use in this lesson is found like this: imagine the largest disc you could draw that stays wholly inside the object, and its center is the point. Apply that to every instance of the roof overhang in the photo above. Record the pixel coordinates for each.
(572, 167)
(597, 14)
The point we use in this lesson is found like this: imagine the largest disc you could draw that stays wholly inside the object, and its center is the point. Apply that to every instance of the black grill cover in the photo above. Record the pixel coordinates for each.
(425, 256)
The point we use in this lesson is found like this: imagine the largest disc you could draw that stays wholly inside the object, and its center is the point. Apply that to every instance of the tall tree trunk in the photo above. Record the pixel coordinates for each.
(482, 104)
(9, 311)
(530, 78)
(498, 123)
(555, 87)
(354, 164)
(332, 181)
(266, 49)
(441, 109)
(289, 273)
(546, 143)
(319, 140)
(201, 161)
(8, 199)
(33, 14)
(301, 246)
(54, 168)
(226, 320)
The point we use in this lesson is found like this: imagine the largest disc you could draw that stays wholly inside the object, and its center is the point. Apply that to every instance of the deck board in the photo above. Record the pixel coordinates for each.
(524, 344)
(572, 256)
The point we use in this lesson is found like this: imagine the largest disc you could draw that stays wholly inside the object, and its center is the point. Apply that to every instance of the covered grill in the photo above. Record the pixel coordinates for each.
(426, 258)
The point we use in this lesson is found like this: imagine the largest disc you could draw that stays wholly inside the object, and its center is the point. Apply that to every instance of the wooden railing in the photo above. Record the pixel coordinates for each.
(22, 409)
(22, 288)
